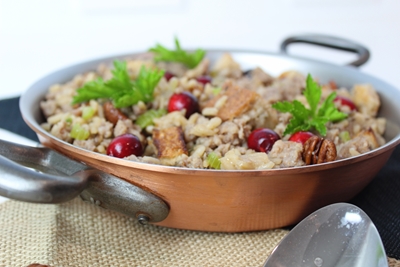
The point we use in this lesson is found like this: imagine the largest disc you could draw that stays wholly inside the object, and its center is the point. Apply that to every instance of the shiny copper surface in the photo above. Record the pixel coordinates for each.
(239, 201)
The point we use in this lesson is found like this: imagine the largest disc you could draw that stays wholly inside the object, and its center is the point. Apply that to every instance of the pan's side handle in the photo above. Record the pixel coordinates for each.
(27, 175)
(110, 192)
(41, 175)
(331, 42)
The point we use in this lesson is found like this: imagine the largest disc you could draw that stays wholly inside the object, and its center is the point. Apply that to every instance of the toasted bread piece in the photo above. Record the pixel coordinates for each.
(238, 100)
(169, 142)
(363, 142)
(366, 99)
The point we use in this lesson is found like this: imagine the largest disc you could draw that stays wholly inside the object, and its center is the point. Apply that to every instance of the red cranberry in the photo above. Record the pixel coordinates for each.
(168, 75)
(125, 145)
(204, 79)
(345, 102)
(300, 137)
(184, 100)
(262, 139)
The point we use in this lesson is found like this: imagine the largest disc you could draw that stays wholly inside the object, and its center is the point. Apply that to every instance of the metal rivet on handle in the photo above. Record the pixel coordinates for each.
(143, 219)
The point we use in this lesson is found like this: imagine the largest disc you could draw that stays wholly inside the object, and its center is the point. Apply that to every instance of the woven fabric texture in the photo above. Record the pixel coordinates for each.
(80, 234)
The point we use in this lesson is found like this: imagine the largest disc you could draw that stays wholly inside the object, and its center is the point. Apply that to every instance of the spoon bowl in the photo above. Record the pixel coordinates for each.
(340, 234)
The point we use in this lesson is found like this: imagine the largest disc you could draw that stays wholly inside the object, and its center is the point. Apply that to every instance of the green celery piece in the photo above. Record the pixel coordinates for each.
(214, 161)
(68, 121)
(191, 60)
(79, 133)
(87, 113)
(344, 136)
(146, 118)
(216, 90)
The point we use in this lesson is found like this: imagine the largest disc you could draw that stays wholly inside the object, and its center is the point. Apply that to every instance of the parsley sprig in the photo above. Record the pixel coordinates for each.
(120, 88)
(303, 118)
(191, 60)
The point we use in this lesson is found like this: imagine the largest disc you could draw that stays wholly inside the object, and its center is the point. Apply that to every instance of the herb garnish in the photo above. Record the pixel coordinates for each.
(313, 118)
(191, 60)
(120, 88)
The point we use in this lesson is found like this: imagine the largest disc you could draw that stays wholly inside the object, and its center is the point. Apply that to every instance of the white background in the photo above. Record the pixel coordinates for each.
(40, 36)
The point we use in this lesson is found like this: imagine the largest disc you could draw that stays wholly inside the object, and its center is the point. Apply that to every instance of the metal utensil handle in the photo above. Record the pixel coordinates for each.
(42, 175)
(331, 42)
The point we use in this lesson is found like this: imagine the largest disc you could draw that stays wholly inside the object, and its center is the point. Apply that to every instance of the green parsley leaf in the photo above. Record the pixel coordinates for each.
(191, 60)
(92, 90)
(304, 119)
(313, 94)
(120, 88)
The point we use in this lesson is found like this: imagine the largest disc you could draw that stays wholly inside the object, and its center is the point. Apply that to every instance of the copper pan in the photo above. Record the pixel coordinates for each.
(233, 201)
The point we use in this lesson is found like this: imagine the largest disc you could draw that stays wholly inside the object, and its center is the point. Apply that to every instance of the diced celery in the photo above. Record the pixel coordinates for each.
(79, 132)
(213, 161)
(344, 136)
(146, 118)
(216, 90)
(87, 113)
(68, 120)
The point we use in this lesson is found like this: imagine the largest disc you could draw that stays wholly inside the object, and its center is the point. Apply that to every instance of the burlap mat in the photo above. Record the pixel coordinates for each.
(79, 234)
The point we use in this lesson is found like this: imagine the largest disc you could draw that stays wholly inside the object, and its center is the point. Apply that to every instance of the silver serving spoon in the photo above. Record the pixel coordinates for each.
(337, 235)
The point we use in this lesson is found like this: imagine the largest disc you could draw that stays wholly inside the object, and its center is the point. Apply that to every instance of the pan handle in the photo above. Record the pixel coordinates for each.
(331, 42)
(30, 174)
(42, 175)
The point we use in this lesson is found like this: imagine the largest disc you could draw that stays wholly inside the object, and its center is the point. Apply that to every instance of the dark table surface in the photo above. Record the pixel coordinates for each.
(380, 199)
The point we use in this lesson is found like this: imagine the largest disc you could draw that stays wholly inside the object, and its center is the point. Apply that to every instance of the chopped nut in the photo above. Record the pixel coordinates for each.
(113, 114)
(318, 150)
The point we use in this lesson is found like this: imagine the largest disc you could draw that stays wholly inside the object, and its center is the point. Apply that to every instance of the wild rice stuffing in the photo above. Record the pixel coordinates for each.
(232, 104)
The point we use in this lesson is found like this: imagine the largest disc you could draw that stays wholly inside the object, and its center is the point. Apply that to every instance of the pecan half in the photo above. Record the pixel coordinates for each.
(318, 150)
(113, 114)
